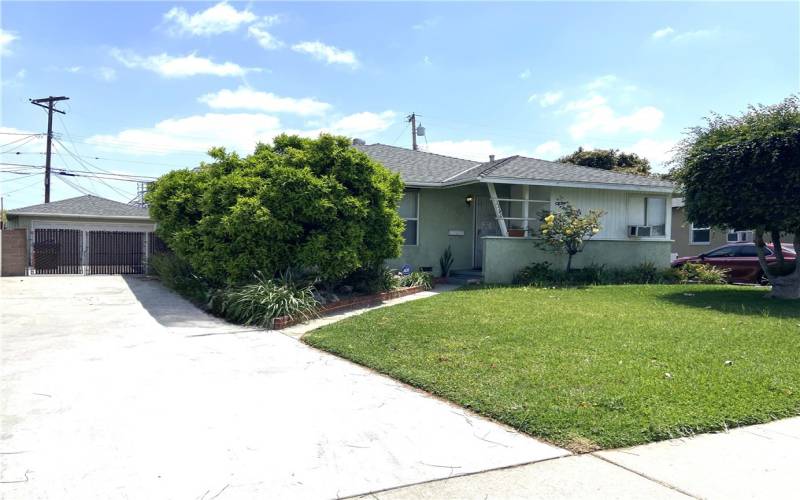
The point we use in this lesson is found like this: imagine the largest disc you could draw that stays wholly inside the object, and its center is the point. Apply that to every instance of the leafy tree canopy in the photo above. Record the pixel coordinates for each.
(314, 204)
(744, 171)
(609, 159)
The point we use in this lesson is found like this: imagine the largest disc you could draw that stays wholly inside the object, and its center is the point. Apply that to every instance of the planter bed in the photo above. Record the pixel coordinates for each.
(349, 303)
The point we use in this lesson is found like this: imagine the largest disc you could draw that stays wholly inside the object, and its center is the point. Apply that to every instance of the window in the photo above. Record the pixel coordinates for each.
(655, 215)
(750, 251)
(409, 212)
(729, 251)
(700, 235)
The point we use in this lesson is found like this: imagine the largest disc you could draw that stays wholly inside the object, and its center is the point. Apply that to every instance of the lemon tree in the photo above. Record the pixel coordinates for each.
(567, 229)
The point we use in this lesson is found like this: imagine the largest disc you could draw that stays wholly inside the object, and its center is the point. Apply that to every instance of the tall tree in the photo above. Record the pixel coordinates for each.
(744, 172)
(609, 159)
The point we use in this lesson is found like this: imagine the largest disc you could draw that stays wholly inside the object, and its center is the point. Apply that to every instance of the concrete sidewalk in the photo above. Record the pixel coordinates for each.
(759, 461)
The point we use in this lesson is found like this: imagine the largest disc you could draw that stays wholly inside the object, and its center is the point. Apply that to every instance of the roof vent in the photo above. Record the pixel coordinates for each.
(491, 158)
(359, 142)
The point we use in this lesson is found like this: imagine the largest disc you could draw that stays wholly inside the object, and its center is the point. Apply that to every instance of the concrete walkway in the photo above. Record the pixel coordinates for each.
(759, 461)
(115, 388)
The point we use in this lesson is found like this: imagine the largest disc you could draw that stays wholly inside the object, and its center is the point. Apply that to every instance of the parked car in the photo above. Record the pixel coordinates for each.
(740, 258)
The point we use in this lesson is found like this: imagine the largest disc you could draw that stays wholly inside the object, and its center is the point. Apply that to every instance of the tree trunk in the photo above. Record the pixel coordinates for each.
(762, 260)
(776, 246)
(569, 261)
(787, 287)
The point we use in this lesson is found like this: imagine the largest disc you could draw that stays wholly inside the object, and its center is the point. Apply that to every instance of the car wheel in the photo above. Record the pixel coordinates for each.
(761, 279)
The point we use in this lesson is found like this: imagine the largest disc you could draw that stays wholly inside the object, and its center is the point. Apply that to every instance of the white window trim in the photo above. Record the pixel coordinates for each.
(667, 218)
(691, 235)
(416, 219)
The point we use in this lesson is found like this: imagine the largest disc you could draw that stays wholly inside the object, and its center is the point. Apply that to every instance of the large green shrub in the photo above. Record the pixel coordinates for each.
(177, 274)
(313, 204)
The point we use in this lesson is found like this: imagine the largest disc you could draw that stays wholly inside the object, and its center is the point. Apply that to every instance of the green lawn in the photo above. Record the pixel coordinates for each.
(597, 367)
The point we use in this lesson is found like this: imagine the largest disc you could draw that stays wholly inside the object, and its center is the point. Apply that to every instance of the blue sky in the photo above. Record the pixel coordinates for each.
(153, 85)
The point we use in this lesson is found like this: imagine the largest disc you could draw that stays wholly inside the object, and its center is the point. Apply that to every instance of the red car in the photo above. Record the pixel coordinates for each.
(740, 258)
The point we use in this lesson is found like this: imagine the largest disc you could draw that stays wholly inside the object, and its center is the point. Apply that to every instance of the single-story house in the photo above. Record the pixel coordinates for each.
(689, 239)
(85, 235)
(488, 213)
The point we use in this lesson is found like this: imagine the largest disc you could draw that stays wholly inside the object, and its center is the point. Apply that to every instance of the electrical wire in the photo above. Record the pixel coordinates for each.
(6, 193)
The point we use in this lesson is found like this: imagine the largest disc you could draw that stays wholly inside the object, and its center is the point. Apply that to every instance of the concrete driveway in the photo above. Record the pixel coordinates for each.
(117, 388)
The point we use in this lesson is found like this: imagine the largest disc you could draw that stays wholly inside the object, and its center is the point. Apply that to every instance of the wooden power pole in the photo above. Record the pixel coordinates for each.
(412, 118)
(50, 107)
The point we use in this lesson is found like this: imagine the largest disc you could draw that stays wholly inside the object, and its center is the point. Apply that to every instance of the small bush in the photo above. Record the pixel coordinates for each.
(175, 273)
(706, 274)
(446, 262)
(260, 302)
(417, 278)
(536, 273)
(373, 279)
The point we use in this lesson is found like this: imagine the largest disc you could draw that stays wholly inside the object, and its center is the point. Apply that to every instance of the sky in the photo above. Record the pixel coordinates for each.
(153, 85)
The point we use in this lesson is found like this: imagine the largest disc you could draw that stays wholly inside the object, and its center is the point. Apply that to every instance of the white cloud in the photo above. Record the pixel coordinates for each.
(426, 24)
(546, 99)
(657, 151)
(662, 33)
(475, 150)
(602, 82)
(691, 36)
(73, 69)
(179, 66)
(6, 38)
(245, 98)
(264, 38)
(236, 131)
(106, 74)
(594, 114)
(548, 150)
(525, 74)
(674, 36)
(220, 18)
(327, 53)
(427, 61)
(364, 123)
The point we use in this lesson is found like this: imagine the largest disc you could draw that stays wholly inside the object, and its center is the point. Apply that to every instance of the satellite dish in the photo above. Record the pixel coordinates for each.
(420, 130)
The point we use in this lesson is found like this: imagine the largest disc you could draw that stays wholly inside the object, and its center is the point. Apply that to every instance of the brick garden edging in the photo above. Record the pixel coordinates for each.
(351, 303)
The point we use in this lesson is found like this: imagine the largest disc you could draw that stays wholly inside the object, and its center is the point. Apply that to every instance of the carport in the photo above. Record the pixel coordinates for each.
(86, 235)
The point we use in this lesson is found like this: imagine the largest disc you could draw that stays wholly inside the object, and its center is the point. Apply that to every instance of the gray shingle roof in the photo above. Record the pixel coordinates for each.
(85, 206)
(419, 167)
(521, 167)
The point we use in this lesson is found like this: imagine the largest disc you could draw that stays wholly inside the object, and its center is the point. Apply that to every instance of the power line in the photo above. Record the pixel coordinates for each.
(6, 193)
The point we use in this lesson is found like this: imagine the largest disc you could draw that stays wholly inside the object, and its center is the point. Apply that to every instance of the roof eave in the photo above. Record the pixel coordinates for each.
(577, 184)
(80, 216)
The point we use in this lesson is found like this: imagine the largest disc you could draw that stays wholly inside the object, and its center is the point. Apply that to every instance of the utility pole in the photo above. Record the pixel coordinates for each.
(413, 119)
(50, 101)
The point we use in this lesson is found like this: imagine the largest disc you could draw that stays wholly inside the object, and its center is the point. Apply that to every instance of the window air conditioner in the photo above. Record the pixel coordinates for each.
(640, 231)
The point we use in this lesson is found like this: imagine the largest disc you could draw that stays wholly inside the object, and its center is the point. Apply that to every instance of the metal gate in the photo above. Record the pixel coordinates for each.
(115, 252)
(57, 251)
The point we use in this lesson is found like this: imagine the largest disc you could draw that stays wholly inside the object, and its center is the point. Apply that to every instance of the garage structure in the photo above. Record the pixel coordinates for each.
(86, 235)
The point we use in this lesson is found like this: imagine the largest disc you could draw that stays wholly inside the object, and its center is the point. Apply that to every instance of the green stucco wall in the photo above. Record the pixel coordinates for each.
(503, 257)
(440, 211)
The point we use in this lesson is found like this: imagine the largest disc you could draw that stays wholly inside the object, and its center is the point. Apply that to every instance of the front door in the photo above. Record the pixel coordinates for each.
(485, 225)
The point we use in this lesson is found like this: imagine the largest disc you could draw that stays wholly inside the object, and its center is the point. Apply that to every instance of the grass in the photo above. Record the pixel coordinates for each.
(590, 368)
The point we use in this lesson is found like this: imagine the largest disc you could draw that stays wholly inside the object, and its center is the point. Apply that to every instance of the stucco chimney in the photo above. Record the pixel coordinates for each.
(491, 158)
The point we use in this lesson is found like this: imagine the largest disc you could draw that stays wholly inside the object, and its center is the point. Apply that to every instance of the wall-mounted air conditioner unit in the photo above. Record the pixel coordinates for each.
(640, 231)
